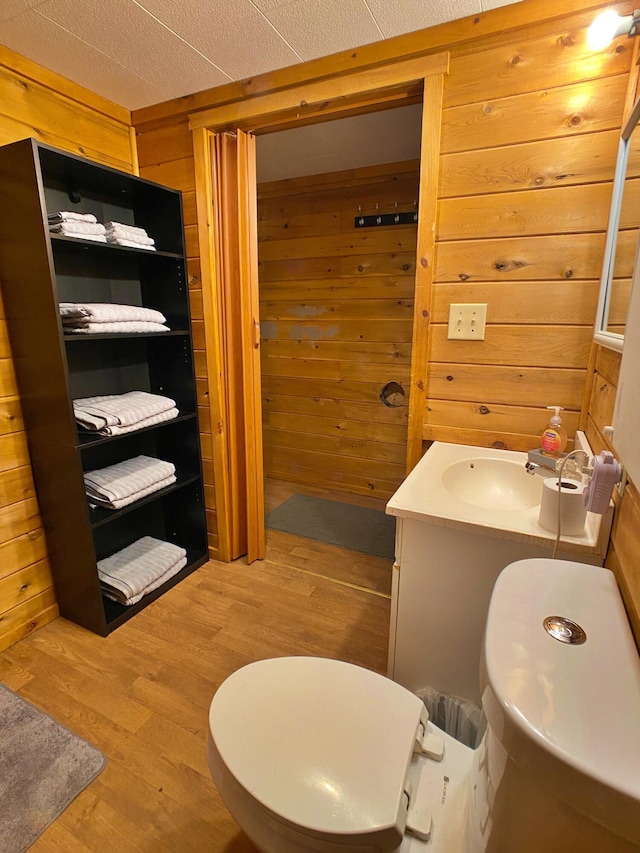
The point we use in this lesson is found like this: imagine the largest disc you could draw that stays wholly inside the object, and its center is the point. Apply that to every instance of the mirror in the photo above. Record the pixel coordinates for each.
(622, 239)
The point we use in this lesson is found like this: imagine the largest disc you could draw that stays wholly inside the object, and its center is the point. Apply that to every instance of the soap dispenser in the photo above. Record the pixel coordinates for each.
(554, 436)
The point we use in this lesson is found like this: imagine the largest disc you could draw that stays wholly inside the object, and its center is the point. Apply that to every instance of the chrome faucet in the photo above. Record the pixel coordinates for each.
(532, 467)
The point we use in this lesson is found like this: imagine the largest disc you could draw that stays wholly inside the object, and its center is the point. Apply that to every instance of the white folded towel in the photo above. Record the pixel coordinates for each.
(77, 228)
(129, 327)
(131, 244)
(95, 238)
(107, 312)
(121, 484)
(122, 226)
(153, 420)
(139, 568)
(115, 411)
(71, 216)
(133, 235)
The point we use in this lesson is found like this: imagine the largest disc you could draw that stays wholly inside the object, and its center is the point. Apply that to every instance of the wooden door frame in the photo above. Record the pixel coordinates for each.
(350, 93)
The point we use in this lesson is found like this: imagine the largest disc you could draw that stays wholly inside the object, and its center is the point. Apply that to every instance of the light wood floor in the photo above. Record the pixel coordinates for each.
(142, 694)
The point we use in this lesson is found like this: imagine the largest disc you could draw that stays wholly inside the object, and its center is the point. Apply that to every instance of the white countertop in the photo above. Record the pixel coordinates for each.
(425, 497)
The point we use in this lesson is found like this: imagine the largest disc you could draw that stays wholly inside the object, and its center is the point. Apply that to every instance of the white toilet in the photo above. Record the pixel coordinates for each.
(310, 754)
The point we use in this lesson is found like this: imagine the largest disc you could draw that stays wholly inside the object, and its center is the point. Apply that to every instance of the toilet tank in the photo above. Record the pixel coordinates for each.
(559, 767)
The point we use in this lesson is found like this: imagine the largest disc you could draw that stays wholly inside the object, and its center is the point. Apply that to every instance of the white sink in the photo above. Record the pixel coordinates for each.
(500, 484)
(458, 485)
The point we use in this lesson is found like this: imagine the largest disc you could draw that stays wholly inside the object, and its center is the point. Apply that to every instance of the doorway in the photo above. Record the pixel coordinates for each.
(344, 94)
(337, 211)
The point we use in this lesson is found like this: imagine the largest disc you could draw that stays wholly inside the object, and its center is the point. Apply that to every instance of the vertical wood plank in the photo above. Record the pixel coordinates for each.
(216, 378)
(250, 301)
(425, 260)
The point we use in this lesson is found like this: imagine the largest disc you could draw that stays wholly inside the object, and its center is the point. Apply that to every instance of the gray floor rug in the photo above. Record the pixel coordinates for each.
(43, 767)
(355, 527)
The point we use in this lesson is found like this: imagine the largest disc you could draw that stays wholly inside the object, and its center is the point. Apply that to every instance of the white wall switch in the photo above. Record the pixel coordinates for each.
(467, 321)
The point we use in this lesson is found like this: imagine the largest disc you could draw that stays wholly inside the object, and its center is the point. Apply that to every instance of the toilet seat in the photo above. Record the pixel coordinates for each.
(280, 729)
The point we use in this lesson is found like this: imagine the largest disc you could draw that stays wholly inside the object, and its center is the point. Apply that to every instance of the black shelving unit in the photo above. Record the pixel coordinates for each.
(39, 270)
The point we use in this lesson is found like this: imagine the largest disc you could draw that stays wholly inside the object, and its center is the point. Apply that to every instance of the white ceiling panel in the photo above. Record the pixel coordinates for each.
(317, 29)
(140, 52)
(232, 33)
(495, 4)
(44, 42)
(395, 17)
(10, 8)
(134, 38)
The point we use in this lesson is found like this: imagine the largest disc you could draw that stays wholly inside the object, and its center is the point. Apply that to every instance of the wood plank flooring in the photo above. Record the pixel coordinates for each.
(309, 555)
(142, 694)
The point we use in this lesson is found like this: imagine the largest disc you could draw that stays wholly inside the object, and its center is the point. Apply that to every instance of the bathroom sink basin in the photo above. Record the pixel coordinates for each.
(497, 484)
(485, 489)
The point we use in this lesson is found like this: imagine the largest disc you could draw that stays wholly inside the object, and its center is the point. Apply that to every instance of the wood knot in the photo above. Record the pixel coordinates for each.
(463, 276)
(567, 41)
(405, 267)
(449, 378)
(425, 313)
(476, 20)
(568, 273)
(499, 445)
(575, 120)
(303, 104)
(360, 268)
(501, 266)
(487, 109)
(516, 60)
(424, 263)
(540, 180)
(619, 48)
(421, 385)
(24, 587)
(484, 410)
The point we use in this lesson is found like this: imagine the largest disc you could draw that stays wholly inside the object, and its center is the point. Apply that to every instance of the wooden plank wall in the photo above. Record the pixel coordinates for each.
(623, 556)
(35, 102)
(336, 310)
(528, 148)
(165, 154)
(529, 144)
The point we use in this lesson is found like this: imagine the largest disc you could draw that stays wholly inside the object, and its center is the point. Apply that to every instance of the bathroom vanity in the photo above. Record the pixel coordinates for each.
(463, 514)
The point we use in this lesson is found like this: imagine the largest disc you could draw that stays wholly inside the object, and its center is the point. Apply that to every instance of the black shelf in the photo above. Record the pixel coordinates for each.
(114, 336)
(99, 246)
(117, 614)
(101, 515)
(92, 439)
(40, 269)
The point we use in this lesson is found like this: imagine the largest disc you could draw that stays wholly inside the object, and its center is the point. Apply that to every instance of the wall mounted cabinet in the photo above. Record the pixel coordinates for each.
(38, 271)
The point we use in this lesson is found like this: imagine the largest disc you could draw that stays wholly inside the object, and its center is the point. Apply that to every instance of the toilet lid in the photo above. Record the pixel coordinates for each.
(324, 745)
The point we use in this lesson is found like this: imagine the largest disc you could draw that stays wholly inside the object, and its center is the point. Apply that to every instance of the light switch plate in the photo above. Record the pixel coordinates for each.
(467, 321)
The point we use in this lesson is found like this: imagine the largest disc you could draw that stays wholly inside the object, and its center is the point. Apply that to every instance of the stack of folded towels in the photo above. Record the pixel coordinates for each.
(126, 482)
(107, 317)
(139, 568)
(129, 235)
(114, 414)
(83, 226)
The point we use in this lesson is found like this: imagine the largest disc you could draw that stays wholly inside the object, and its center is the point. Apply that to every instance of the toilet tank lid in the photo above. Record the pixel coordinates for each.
(322, 744)
(571, 711)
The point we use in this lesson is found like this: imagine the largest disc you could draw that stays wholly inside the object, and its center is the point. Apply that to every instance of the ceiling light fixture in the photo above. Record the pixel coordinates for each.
(609, 25)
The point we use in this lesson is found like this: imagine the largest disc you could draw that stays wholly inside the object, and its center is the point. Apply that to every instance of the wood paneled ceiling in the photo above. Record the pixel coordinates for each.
(141, 52)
